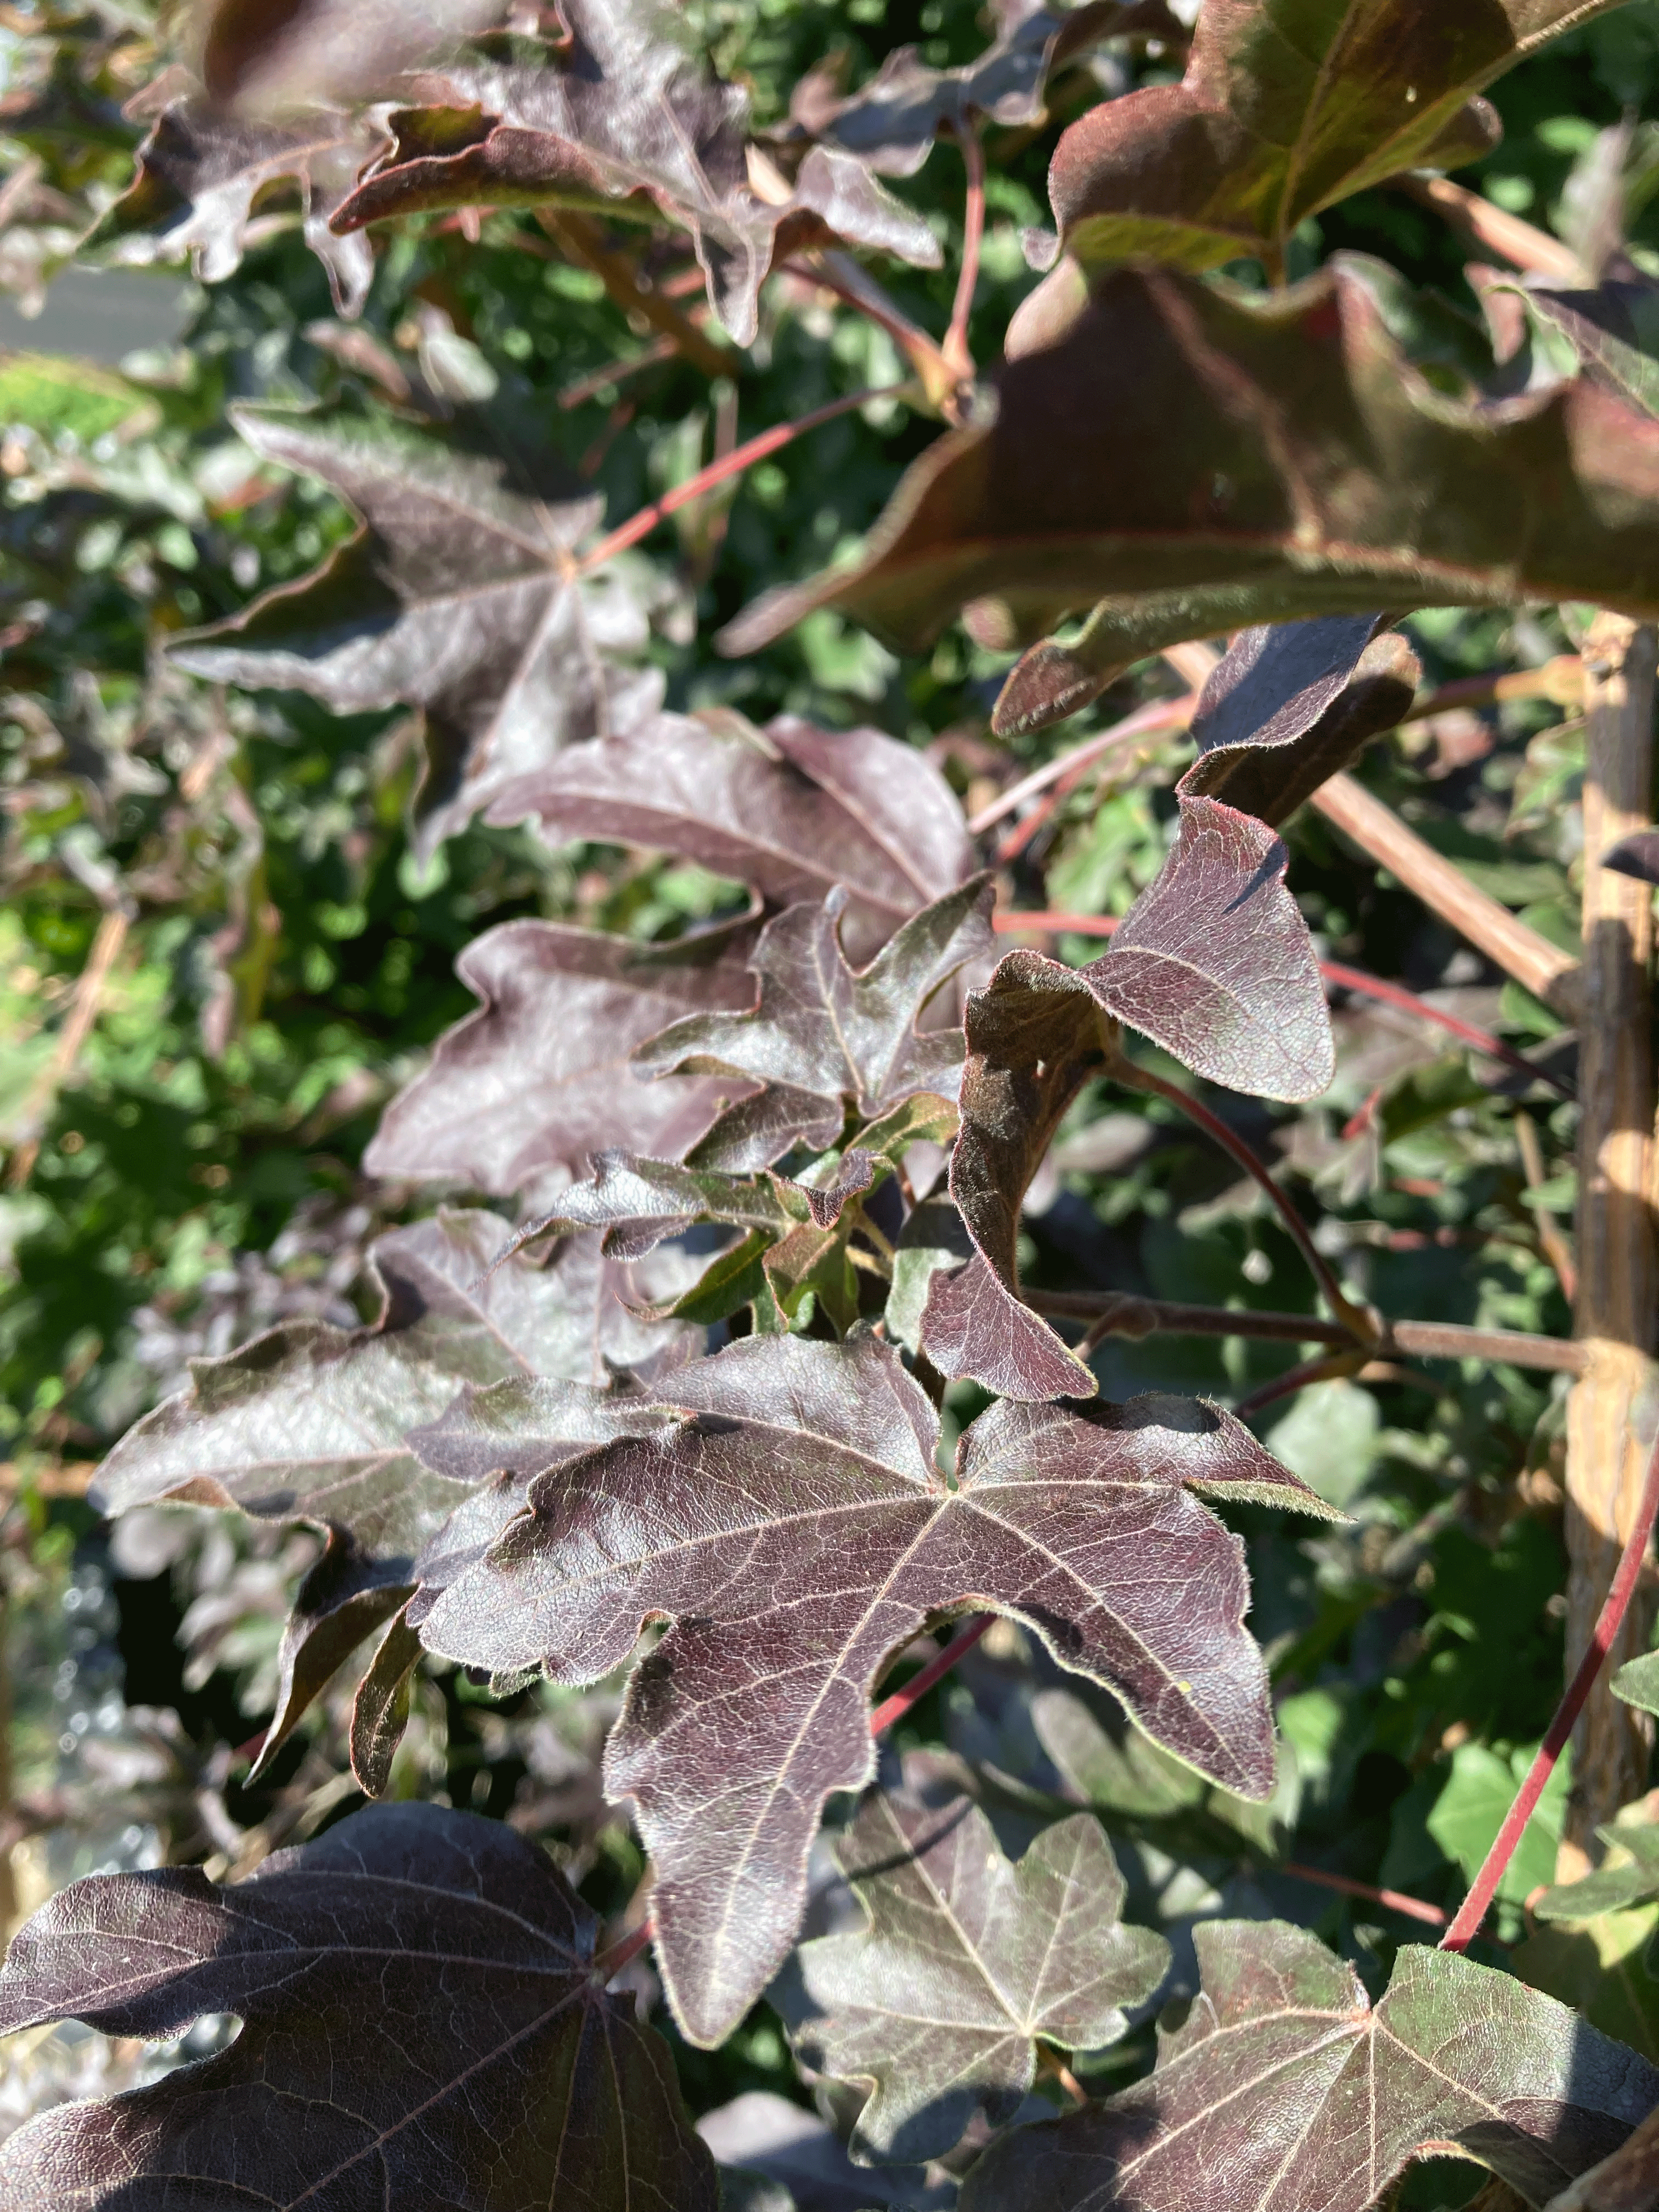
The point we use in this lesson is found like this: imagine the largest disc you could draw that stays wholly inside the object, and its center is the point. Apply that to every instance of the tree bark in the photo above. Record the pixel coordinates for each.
(1614, 1316)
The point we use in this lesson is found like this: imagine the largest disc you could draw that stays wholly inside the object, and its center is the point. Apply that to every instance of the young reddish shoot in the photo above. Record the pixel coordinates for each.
(1472, 1910)
(895, 1707)
(956, 350)
(1413, 1908)
(1162, 715)
(730, 464)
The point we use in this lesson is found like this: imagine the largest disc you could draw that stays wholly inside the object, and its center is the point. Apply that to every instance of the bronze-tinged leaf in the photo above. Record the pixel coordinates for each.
(420, 2026)
(790, 810)
(639, 1203)
(1280, 113)
(891, 124)
(1291, 703)
(538, 1080)
(793, 1525)
(822, 1036)
(458, 596)
(966, 1962)
(265, 56)
(199, 174)
(626, 112)
(1185, 457)
(1213, 963)
(1613, 330)
(1284, 2088)
(309, 1423)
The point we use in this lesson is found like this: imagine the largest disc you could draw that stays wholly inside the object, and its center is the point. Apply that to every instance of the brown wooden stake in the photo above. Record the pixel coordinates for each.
(1606, 1458)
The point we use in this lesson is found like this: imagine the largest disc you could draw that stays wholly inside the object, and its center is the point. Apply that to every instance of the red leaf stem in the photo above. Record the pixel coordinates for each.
(1414, 1908)
(1472, 1910)
(609, 1964)
(973, 231)
(1161, 715)
(730, 464)
(895, 1707)
(1323, 1370)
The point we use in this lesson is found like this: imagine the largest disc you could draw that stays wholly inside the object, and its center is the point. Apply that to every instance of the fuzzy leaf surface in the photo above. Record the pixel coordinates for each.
(891, 123)
(267, 57)
(1289, 704)
(309, 1423)
(1213, 963)
(1186, 458)
(824, 1036)
(487, 2069)
(200, 171)
(967, 1961)
(790, 810)
(538, 1080)
(1286, 2089)
(1282, 111)
(627, 108)
(794, 1526)
(457, 596)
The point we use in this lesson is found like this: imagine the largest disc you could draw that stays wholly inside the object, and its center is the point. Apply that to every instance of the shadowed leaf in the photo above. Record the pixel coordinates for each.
(1289, 704)
(1284, 2088)
(420, 2026)
(627, 108)
(793, 1525)
(966, 1962)
(790, 810)
(199, 174)
(538, 1078)
(891, 123)
(1613, 330)
(264, 55)
(824, 1036)
(1632, 1879)
(1186, 458)
(1282, 112)
(1214, 963)
(309, 1423)
(457, 596)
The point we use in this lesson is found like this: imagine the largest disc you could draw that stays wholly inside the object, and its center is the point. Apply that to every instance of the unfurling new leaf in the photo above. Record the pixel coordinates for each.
(966, 1964)
(793, 1525)
(420, 2024)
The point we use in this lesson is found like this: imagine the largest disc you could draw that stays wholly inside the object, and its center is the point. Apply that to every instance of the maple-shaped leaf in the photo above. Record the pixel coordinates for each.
(597, 1327)
(892, 122)
(794, 1527)
(458, 595)
(200, 172)
(790, 810)
(967, 1961)
(539, 1078)
(1286, 2089)
(1184, 457)
(638, 1203)
(1289, 703)
(824, 1035)
(1214, 962)
(309, 1423)
(1279, 115)
(420, 2026)
(627, 107)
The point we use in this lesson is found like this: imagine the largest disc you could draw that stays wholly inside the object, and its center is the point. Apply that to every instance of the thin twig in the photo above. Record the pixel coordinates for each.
(839, 273)
(895, 1707)
(585, 241)
(1120, 1313)
(1326, 1369)
(734, 463)
(1131, 1072)
(1472, 1910)
(1552, 1242)
(956, 348)
(88, 996)
(1161, 715)
(1414, 1908)
(584, 388)
(1437, 1339)
(1537, 965)
(1494, 230)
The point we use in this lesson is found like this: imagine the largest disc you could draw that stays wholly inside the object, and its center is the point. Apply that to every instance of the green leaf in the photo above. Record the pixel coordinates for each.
(1469, 1811)
(1637, 1682)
